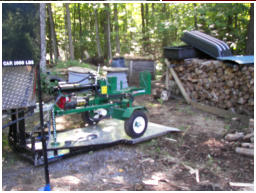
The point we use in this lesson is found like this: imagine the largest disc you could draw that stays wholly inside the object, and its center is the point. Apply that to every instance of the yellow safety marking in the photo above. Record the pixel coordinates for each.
(104, 89)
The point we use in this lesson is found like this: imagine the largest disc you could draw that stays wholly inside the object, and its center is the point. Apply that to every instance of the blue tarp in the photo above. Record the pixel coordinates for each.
(238, 59)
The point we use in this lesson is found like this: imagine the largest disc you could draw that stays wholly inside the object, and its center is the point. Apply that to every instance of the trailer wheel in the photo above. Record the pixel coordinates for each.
(137, 124)
(88, 117)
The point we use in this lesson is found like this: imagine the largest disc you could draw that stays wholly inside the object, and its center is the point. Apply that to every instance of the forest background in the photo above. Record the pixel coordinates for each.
(95, 32)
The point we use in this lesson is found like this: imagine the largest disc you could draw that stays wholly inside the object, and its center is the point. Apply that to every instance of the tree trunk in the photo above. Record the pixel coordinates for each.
(50, 38)
(142, 19)
(66, 52)
(165, 40)
(195, 17)
(71, 47)
(107, 9)
(250, 34)
(229, 25)
(42, 37)
(80, 31)
(146, 16)
(117, 29)
(147, 44)
(153, 14)
(74, 23)
(97, 32)
(143, 27)
(53, 33)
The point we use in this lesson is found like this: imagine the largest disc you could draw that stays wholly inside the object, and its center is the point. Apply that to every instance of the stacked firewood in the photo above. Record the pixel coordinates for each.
(244, 140)
(219, 84)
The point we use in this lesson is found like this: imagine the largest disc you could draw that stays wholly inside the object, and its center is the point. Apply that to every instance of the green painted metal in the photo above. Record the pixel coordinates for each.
(145, 81)
(128, 111)
(117, 113)
(125, 103)
(83, 109)
(125, 113)
(104, 98)
(112, 84)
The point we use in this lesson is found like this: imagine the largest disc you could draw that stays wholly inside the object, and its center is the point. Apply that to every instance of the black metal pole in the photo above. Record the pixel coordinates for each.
(47, 178)
(22, 134)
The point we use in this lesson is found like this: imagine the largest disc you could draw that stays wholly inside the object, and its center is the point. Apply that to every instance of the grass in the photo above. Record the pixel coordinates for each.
(5, 144)
(207, 118)
(160, 101)
(187, 110)
(151, 104)
(227, 127)
(191, 164)
(210, 159)
(70, 63)
(90, 152)
(8, 157)
(152, 148)
(182, 128)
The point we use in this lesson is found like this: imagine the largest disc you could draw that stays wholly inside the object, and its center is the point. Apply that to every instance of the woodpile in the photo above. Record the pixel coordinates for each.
(215, 83)
(244, 140)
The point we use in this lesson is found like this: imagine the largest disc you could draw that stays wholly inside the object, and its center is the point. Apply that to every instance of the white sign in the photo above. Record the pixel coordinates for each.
(18, 63)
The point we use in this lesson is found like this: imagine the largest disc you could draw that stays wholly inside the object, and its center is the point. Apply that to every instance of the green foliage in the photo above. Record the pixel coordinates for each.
(5, 144)
(71, 63)
(210, 160)
(164, 25)
(46, 85)
(160, 101)
(20, 32)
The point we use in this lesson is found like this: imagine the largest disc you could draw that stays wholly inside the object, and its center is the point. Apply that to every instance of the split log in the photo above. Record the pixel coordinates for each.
(234, 137)
(239, 184)
(251, 125)
(248, 145)
(248, 136)
(230, 87)
(245, 151)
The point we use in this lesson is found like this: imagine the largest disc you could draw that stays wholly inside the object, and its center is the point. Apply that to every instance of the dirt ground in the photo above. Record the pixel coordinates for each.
(196, 159)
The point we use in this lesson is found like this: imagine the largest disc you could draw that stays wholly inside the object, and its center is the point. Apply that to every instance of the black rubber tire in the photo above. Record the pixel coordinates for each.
(88, 119)
(128, 125)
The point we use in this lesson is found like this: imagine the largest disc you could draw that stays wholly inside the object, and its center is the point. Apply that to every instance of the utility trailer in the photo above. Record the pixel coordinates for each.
(108, 112)
(95, 101)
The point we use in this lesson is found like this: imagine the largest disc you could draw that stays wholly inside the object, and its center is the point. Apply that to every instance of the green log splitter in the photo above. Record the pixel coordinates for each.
(100, 99)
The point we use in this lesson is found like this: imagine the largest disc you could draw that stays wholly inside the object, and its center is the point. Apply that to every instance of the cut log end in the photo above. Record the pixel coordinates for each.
(245, 151)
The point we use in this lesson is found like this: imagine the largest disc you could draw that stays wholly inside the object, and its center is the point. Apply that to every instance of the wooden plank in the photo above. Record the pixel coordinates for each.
(177, 80)
(167, 79)
(220, 112)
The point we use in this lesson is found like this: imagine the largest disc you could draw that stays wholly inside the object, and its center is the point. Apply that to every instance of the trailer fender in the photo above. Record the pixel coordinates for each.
(128, 111)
